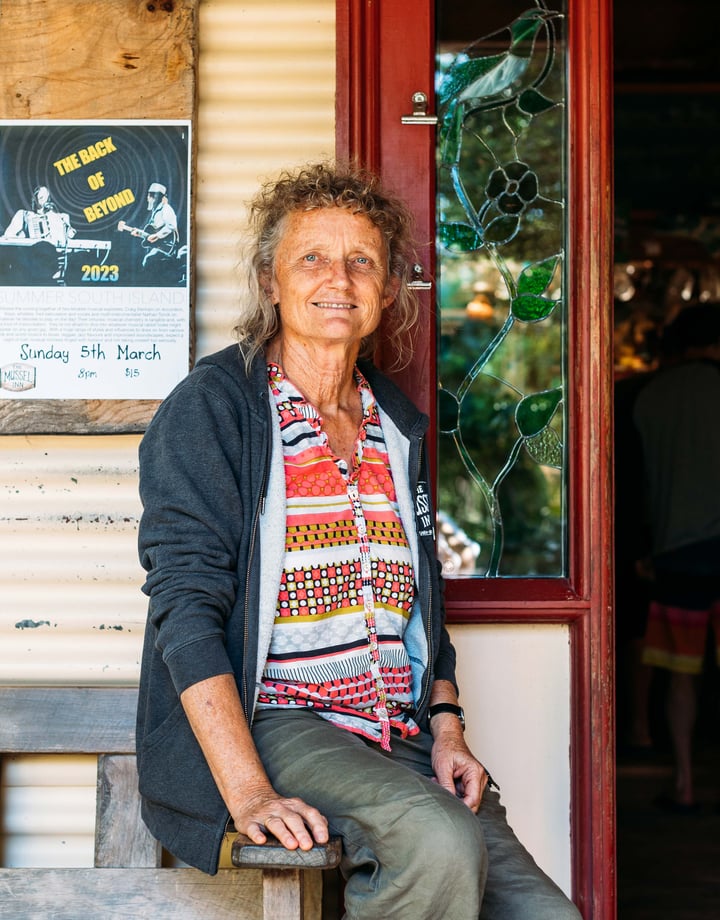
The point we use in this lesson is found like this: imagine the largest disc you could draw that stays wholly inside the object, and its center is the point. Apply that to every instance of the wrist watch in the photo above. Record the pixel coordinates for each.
(447, 707)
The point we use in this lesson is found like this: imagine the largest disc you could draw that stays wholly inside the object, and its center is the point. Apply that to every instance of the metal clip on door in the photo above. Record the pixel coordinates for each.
(419, 113)
(419, 117)
(417, 284)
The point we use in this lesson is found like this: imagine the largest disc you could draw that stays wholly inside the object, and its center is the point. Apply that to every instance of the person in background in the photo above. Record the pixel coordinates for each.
(632, 575)
(633, 572)
(297, 677)
(678, 417)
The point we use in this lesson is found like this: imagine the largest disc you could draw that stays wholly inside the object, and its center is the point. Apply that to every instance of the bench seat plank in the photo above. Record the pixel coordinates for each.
(117, 894)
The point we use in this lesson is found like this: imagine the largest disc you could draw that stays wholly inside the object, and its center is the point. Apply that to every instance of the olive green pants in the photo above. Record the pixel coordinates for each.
(411, 850)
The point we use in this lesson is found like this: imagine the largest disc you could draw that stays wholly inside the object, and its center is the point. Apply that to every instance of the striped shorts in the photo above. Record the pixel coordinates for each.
(676, 637)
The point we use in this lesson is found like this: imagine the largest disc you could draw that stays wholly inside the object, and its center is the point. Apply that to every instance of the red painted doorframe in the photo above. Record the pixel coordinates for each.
(374, 89)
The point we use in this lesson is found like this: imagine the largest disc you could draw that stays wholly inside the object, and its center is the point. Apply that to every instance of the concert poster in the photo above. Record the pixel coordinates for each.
(94, 259)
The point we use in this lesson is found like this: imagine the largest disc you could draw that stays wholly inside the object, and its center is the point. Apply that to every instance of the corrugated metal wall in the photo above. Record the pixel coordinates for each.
(71, 610)
(267, 97)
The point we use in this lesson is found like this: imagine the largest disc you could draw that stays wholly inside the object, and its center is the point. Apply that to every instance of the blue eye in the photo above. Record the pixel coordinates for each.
(311, 257)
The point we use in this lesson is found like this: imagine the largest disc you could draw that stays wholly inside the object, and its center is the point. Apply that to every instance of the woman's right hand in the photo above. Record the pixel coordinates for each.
(217, 719)
(296, 824)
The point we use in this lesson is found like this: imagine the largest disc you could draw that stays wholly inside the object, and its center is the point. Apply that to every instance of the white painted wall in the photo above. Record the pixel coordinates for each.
(515, 687)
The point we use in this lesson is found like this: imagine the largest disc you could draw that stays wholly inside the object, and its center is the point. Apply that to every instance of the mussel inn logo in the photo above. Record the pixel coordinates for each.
(18, 377)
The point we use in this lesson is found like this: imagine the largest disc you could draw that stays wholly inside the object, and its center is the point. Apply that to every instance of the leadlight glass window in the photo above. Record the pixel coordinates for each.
(502, 303)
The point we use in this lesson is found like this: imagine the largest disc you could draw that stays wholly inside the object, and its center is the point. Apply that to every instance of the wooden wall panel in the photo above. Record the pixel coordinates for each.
(115, 59)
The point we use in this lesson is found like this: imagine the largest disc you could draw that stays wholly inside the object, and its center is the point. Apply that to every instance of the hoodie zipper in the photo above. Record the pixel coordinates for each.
(259, 510)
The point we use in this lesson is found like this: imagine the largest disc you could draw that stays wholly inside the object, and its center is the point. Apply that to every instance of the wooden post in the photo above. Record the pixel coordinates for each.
(121, 838)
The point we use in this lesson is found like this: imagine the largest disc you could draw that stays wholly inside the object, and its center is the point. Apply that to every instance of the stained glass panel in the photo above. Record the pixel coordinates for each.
(501, 247)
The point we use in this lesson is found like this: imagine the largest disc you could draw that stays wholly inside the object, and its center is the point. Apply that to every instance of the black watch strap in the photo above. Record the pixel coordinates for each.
(447, 707)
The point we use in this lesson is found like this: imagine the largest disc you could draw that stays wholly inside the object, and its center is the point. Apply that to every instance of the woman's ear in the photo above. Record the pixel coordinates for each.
(391, 290)
(266, 286)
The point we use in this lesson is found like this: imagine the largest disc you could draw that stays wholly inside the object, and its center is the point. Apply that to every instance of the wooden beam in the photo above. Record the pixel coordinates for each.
(67, 720)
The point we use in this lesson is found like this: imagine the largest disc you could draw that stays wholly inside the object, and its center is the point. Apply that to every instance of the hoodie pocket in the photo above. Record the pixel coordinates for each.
(173, 772)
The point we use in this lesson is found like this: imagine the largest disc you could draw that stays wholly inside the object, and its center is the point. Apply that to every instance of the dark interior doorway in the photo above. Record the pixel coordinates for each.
(667, 258)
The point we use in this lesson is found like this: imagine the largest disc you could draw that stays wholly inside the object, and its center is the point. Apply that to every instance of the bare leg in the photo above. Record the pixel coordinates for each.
(681, 711)
(639, 680)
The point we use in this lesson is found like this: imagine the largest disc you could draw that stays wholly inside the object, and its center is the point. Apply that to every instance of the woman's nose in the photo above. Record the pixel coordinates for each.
(339, 273)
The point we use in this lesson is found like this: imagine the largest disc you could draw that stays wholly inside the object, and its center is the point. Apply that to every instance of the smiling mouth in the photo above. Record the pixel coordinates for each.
(329, 305)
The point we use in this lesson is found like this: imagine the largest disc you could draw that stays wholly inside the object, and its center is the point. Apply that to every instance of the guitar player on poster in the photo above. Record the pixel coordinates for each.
(160, 234)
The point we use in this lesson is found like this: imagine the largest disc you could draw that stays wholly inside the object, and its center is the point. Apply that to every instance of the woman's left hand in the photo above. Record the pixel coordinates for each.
(456, 769)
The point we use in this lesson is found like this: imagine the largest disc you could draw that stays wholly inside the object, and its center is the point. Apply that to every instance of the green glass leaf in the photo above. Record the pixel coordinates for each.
(531, 309)
(483, 78)
(533, 103)
(459, 237)
(448, 412)
(451, 135)
(546, 449)
(525, 27)
(535, 278)
(500, 79)
(464, 74)
(533, 413)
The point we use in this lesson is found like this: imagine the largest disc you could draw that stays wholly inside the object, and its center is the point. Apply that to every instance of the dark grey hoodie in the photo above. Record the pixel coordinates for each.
(211, 539)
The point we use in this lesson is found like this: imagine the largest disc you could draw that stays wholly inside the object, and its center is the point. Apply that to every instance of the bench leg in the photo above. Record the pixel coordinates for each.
(292, 894)
(283, 894)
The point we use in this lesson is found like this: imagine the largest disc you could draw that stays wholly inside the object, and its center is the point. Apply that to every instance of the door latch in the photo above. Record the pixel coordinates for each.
(417, 283)
(419, 113)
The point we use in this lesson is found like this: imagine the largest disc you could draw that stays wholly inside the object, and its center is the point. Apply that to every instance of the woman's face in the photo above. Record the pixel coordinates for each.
(331, 277)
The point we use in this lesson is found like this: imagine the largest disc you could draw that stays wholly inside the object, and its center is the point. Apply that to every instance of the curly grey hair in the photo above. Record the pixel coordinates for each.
(325, 185)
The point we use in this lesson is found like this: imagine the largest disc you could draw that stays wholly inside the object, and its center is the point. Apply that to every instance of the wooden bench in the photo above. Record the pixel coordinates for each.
(128, 879)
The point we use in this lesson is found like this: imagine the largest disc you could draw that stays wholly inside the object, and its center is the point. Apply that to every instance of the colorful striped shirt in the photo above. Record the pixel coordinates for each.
(347, 587)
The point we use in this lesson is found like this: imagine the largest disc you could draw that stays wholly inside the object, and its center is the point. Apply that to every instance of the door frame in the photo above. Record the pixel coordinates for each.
(365, 109)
